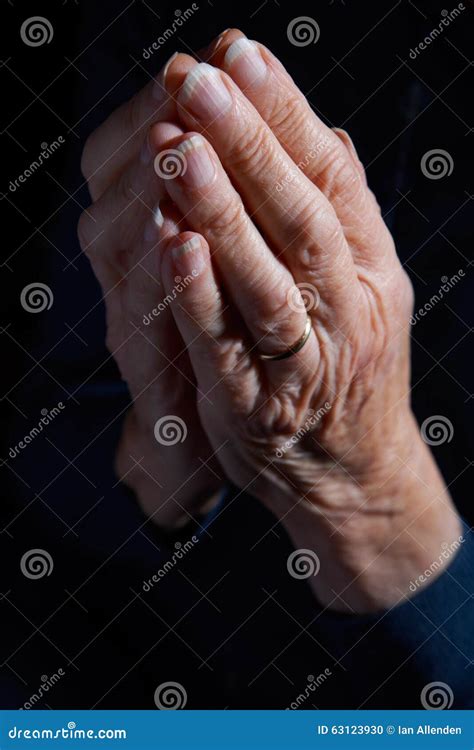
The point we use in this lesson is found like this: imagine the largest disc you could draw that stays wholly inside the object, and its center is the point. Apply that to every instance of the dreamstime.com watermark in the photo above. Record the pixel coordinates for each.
(67, 733)
(170, 430)
(46, 419)
(447, 285)
(437, 696)
(302, 164)
(36, 31)
(47, 684)
(436, 430)
(36, 297)
(447, 17)
(36, 563)
(302, 31)
(309, 424)
(180, 284)
(181, 18)
(303, 563)
(436, 164)
(181, 550)
(448, 551)
(47, 150)
(170, 696)
(312, 685)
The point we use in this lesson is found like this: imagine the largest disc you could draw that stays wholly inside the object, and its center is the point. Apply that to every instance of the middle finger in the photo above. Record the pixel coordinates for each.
(258, 283)
(299, 221)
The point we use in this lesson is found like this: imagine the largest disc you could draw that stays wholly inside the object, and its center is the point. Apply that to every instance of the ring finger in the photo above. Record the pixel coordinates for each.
(260, 286)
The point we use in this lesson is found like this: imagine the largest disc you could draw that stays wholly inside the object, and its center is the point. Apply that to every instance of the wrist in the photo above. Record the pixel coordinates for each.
(392, 521)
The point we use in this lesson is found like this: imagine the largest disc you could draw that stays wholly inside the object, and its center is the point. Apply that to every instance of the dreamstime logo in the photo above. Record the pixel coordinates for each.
(170, 696)
(303, 296)
(436, 696)
(437, 430)
(69, 732)
(303, 164)
(180, 18)
(312, 685)
(448, 550)
(436, 164)
(303, 563)
(47, 416)
(47, 150)
(302, 31)
(181, 550)
(447, 17)
(170, 164)
(447, 285)
(36, 31)
(170, 430)
(314, 417)
(36, 297)
(180, 284)
(36, 563)
(47, 683)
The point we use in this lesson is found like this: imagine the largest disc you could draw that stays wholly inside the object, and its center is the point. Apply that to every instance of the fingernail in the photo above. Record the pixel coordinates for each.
(188, 258)
(204, 93)
(153, 225)
(159, 87)
(248, 66)
(200, 169)
(207, 52)
(215, 45)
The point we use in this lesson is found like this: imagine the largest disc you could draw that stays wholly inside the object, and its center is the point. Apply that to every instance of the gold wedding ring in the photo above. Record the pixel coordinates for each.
(295, 348)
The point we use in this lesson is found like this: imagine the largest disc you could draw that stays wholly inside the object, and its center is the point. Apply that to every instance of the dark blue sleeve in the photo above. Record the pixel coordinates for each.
(419, 654)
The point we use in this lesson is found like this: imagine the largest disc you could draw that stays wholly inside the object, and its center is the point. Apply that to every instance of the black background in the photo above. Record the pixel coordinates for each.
(358, 76)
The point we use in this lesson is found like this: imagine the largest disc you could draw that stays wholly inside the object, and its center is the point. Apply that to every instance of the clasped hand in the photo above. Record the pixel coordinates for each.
(218, 190)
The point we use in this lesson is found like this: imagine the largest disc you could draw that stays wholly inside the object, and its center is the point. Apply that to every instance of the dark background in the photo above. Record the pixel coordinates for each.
(60, 493)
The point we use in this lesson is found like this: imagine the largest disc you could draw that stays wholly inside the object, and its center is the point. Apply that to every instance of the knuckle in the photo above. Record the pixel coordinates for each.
(342, 181)
(233, 362)
(206, 308)
(289, 119)
(280, 324)
(251, 151)
(336, 175)
(318, 232)
(305, 212)
(230, 218)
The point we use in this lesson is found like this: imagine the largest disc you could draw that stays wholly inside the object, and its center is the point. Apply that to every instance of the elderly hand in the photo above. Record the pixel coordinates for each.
(280, 224)
(119, 235)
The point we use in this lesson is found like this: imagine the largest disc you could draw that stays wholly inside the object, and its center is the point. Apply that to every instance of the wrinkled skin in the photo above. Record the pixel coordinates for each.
(279, 225)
